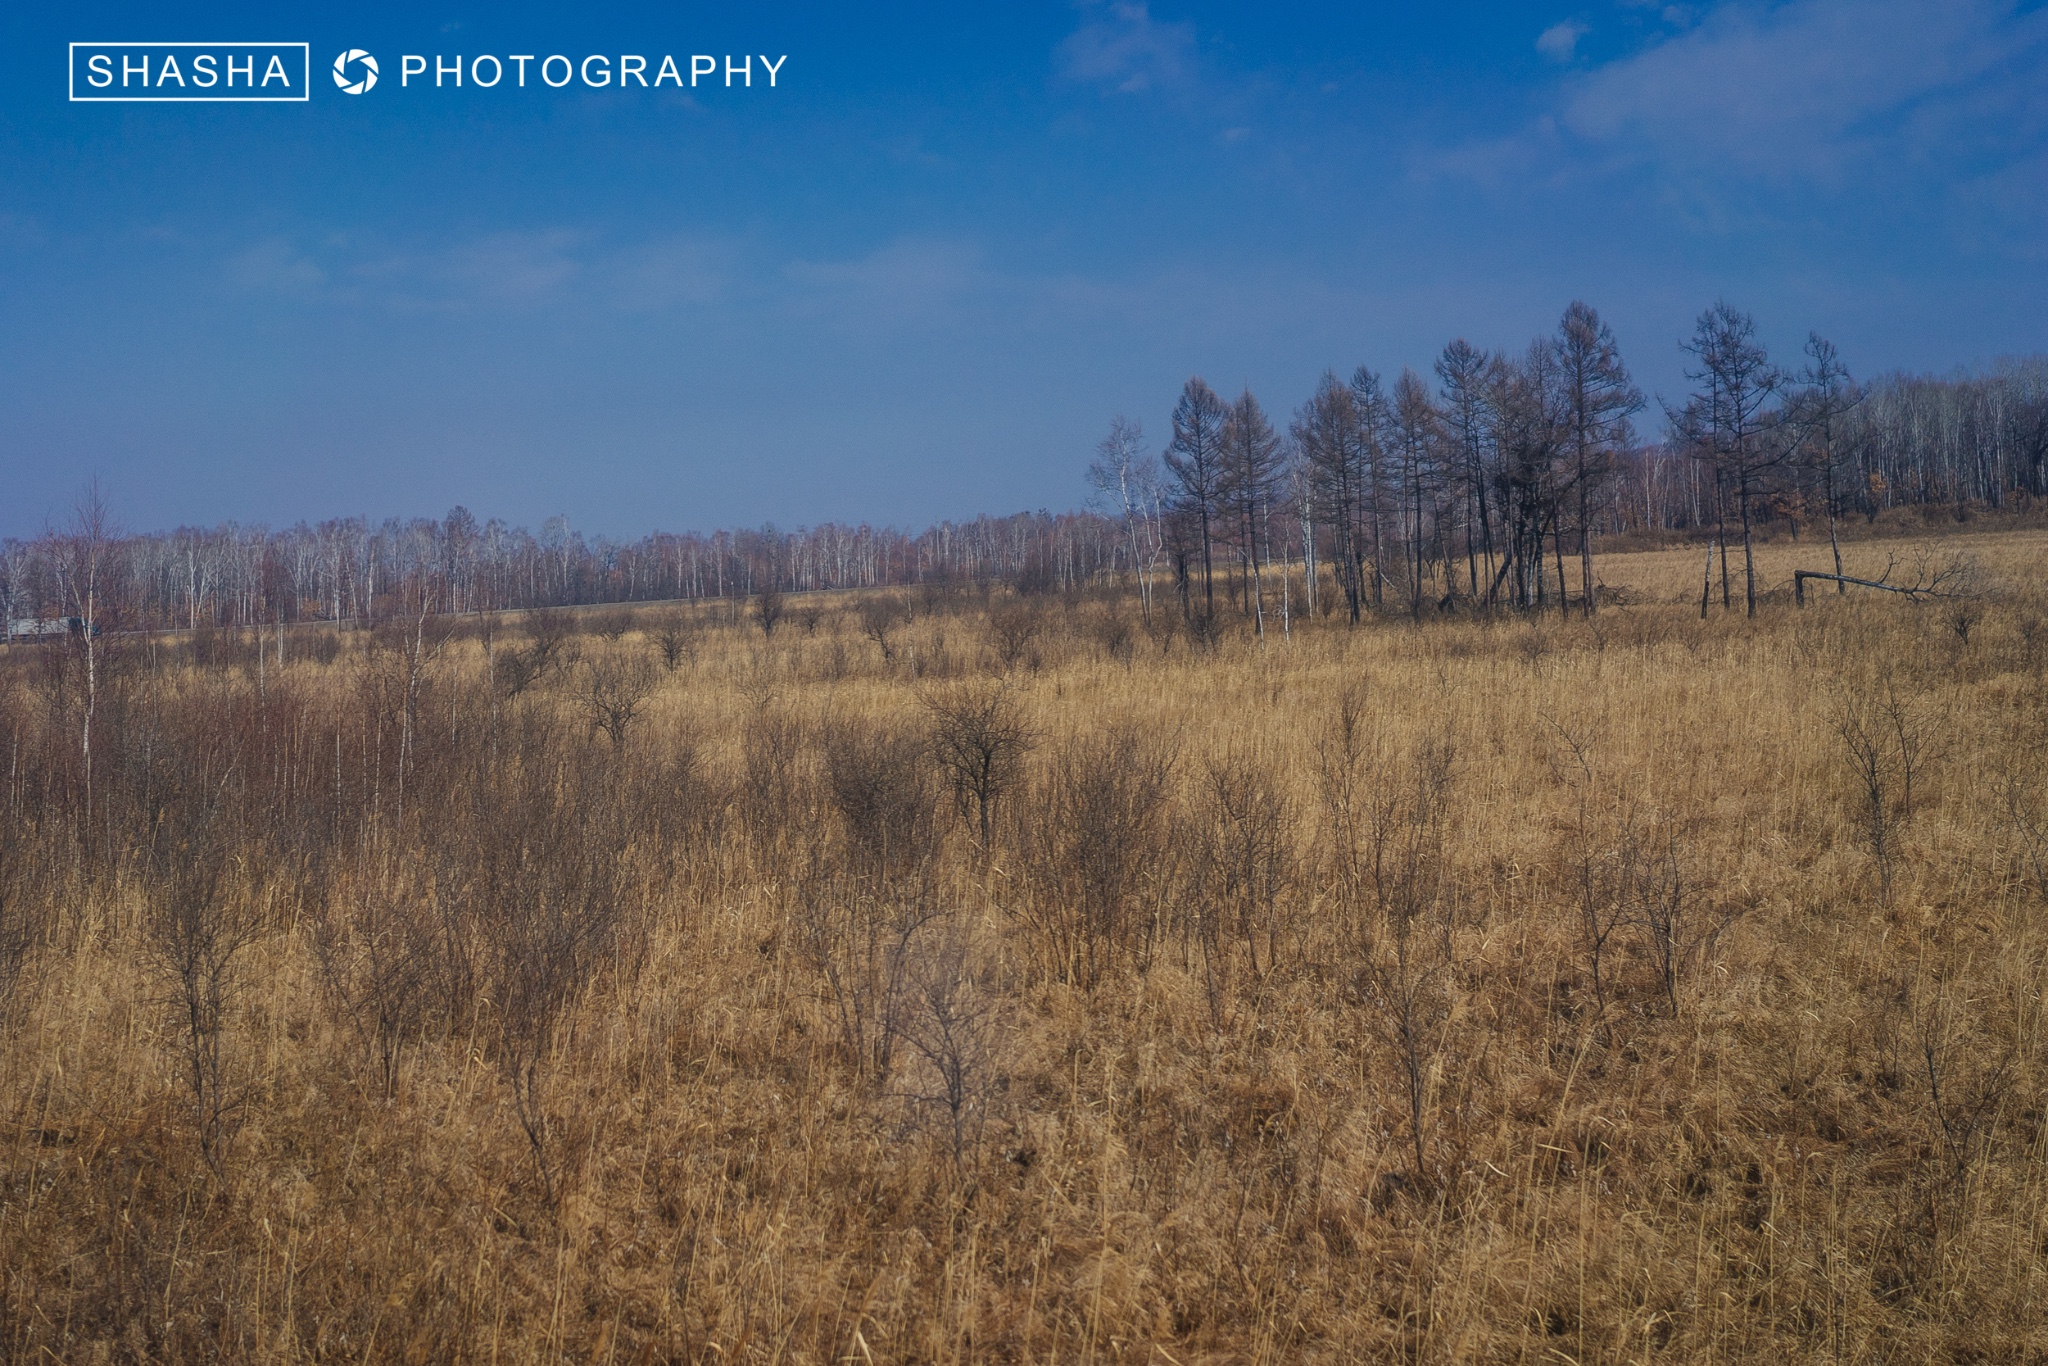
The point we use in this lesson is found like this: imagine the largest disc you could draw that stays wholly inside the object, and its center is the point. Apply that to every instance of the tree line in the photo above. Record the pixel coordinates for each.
(1489, 482)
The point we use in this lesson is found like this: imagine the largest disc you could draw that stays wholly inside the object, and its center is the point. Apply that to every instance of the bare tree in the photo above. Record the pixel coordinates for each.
(1251, 468)
(1415, 431)
(1195, 460)
(1527, 436)
(1733, 414)
(1375, 424)
(1461, 370)
(1955, 578)
(1826, 396)
(85, 555)
(1126, 483)
(1598, 399)
(1328, 434)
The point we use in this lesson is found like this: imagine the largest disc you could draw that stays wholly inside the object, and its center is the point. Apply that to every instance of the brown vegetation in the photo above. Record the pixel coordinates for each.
(1000, 983)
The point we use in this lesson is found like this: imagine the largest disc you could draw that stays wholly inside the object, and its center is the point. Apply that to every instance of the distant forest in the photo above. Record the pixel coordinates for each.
(1491, 481)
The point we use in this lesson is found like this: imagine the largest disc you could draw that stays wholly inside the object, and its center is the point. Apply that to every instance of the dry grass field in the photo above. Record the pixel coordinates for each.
(954, 976)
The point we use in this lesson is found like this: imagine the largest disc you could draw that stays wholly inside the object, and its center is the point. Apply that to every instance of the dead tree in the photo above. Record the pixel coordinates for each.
(1955, 578)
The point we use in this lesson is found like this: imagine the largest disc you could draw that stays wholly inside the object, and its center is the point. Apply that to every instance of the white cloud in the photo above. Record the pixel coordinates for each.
(1804, 88)
(496, 271)
(1560, 42)
(1126, 49)
(912, 279)
(668, 272)
(508, 266)
(276, 266)
(1916, 105)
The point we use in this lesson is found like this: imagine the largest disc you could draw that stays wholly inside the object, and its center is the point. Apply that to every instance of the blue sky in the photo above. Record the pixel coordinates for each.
(917, 278)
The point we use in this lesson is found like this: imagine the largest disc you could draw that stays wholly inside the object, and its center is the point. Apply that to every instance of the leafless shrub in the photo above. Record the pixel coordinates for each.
(21, 920)
(1117, 639)
(545, 654)
(1886, 741)
(195, 929)
(1962, 615)
(882, 782)
(1602, 856)
(880, 616)
(1340, 784)
(612, 690)
(612, 625)
(1408, 999)
(1664, 903)
(1390, 815)
(2030, 631)
(858, 936)
(676, 640)
(1098, 852)
(2024, 795)
(948, 1022)
(1248, 857)
(979, 739)
(1011, 629)
(539, 878)
(376, 955)
(772, 787)
(1966, 1075)
(413, 646)
(769, 606)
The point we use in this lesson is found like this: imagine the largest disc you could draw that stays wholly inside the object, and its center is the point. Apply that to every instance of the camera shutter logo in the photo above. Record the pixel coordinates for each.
(341, 71)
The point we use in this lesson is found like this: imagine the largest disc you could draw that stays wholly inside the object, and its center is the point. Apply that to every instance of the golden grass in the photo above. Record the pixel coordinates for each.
(1826, 1142)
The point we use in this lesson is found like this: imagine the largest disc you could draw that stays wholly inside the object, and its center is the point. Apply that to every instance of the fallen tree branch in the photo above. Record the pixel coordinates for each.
(1956, 578)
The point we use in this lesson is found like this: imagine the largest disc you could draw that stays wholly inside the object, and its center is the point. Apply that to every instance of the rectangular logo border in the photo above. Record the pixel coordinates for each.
(71, 78)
